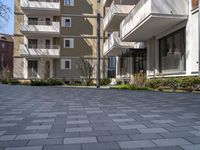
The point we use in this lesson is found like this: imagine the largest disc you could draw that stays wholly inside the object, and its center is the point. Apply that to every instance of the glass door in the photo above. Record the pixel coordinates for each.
(32, 69)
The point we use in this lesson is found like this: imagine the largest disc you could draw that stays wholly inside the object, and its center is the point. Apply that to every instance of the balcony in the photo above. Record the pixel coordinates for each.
(116, 13)
(107, 3)
(50, 51)
(151, 17)
(42, 28)
(114, 46)
(35, 7)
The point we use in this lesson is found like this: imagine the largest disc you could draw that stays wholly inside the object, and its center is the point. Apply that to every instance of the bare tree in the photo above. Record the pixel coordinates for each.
(5, 12)
(86, 68)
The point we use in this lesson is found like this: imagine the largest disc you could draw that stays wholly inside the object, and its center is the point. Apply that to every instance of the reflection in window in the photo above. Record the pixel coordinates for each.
(195, 4)
(172, 53)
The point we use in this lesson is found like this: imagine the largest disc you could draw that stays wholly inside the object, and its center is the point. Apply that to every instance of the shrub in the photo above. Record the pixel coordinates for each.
(49, 82)
(105, 81)
(182, 83)
(130, 87)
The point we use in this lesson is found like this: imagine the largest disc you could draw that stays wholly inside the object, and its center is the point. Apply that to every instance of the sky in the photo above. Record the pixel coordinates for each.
(10, 28)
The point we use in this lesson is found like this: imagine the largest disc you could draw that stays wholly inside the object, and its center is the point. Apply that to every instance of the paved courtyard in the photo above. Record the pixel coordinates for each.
(49, 118)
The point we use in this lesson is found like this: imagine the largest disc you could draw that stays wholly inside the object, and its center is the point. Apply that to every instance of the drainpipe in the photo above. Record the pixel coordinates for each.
(98, 74)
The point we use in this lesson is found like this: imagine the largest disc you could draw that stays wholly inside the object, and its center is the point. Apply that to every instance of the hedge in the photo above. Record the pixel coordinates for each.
(182, 83)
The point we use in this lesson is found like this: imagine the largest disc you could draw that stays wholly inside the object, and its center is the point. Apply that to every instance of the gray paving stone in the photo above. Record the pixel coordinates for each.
(113, 138)
(123, 120)
(191, 147)
(31, 136)
(42, 142)
(62, 147)
(78, 122)
(7, 137)
(2, 133)
(79, 129)
(148, 136)
(153, 130)
(136, 144)
(171, 142)
(80, 140)
(151, 116)
(197, 133)
(43, 121)
(126, 127)
(25, 148)
(163, 121)
(194, 140)
(40, 127)
(101, 146)
(7, 124)
(117, 115)
(77, 117)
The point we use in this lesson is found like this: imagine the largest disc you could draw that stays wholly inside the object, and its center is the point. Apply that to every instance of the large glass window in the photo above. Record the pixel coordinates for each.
(172, 53)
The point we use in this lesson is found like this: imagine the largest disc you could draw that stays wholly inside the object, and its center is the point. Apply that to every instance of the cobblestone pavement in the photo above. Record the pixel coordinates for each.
(49, 118)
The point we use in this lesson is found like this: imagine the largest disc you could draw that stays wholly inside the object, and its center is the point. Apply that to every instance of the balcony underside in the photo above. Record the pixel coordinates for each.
(152, 26)
(115, 51)
(38, 53)
(114, 23)
(40, 11)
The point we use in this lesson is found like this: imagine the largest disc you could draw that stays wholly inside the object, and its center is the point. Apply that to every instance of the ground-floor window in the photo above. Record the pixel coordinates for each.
(111, 67)
(32, 68)
(140, 61)
(172, 53)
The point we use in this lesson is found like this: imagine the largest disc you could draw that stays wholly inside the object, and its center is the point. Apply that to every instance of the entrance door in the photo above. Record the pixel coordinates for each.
(32, 69)
(139, 64)
(47, 44)
(47, 69)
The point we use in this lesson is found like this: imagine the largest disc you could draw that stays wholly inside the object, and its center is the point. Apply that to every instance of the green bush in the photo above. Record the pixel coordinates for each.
(105, 81)
(181, 83)
(49, 82)
(12, 82)
(130, 87)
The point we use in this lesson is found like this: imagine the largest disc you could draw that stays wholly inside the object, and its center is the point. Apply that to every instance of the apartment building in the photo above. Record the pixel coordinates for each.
(54, 38)
(169, 31)
(126, 55)
(6, 56)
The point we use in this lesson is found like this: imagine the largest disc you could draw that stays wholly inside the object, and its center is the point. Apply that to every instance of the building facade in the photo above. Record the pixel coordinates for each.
(168, 32)
(55, 38)
(6, 56)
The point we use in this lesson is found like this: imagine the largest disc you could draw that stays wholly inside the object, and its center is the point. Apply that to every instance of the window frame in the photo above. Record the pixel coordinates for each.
(63, 64)
(71, 3)
(71, 41)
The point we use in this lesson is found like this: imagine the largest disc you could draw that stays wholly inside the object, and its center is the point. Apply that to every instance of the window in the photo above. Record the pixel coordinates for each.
(68, 43)
(195, 4)
(32, 69)
(32, 21)
(65, 64)
(3, 45)
(69, 2)
(66, 22)
(172, 53)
